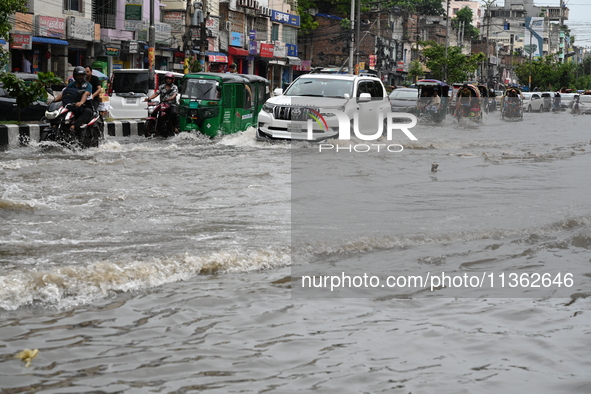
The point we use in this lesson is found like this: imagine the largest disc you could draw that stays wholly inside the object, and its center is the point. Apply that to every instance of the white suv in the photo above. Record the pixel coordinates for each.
(286, 116)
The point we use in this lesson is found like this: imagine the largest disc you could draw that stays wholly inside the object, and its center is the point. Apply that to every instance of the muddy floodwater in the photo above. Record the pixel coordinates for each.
(174, 266)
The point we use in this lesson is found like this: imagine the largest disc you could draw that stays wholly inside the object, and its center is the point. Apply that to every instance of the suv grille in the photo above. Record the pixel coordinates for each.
(291, 113)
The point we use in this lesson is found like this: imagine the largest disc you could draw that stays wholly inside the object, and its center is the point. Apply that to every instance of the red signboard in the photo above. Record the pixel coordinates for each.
(20, 41)
(48, 26)
(372, 61)
(267, 50)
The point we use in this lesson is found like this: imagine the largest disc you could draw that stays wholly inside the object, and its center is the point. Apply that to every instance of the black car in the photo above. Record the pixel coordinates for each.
(9, 109)
(404, 100)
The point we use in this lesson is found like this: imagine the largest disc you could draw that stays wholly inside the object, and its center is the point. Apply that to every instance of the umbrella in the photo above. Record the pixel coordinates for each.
(99, 74)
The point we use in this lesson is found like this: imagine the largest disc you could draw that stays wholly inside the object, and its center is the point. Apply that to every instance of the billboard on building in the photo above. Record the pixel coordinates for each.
(533, 43)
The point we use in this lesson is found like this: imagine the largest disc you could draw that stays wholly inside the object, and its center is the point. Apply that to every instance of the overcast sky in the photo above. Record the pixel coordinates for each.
(579, 20)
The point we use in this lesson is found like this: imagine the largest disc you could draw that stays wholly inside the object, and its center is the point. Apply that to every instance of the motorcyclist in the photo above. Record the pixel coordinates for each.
(168, 92)
(82, 113)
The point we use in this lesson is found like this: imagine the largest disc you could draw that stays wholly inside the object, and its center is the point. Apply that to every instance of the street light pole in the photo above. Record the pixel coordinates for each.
(446, 39)
(151, 46)
(352, 47)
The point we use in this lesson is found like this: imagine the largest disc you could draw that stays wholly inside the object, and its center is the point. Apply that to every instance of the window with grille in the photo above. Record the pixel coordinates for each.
(290, 35)
(275, 32)
(104, 13)
(74, 5)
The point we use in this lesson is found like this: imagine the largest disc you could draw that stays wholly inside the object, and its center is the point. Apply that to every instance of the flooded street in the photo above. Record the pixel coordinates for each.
(173, 266)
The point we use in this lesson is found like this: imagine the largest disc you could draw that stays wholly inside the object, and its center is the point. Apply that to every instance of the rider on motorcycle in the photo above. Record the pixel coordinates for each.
(82, 113)
(168, 92)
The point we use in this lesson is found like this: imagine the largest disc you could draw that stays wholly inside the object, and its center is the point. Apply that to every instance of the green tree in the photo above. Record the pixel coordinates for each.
(465, 15)
(423, 7)
(548, 74)
(193, 66)
(27, 92)
(415, 70)
(457, 66)
(307, 22)
(7, 9)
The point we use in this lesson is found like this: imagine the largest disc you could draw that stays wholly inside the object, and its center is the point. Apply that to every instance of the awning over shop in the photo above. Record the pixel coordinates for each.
(53, 41)
(217, 57)
(237, 51)
(294, 61)
(281, 61)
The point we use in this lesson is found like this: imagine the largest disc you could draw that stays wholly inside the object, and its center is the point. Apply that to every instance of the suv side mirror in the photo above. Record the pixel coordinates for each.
(364, 97)
(278, 92)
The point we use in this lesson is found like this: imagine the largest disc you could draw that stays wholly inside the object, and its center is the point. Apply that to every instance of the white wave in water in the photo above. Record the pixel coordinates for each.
(304, 252)
(73, 285)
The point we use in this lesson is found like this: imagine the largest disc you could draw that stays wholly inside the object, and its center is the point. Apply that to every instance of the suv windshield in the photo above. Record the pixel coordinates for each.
(320, 87)
(200, 89)
(130, 82)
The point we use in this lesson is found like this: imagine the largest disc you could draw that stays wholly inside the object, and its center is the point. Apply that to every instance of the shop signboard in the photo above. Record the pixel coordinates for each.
(176, 20)
(80, 29)
(279, 50)
(372, 61)
(48, 26)
(288, 19)
(252, 47)
(267, 50)
(20, 41)
(133, 10)
(236, 39)
(292, 50)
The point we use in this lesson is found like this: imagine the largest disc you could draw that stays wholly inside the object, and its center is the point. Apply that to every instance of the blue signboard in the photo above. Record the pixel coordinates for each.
(252, 47)
(236, 39)
(288, 19)
(252, 34)
(292, 50)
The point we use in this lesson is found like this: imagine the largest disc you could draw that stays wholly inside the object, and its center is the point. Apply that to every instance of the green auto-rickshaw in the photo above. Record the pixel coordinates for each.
(216, 103)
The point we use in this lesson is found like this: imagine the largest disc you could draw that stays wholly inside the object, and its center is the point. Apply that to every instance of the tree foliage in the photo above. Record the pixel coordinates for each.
(7, 9)
(548, 74)
(27, 92)
(465, 15)
(307, 22)
(456, 65)
(415, 70)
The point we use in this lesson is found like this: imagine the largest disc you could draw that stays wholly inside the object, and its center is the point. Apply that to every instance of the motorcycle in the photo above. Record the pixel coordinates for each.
(61, 118)
(157, 122)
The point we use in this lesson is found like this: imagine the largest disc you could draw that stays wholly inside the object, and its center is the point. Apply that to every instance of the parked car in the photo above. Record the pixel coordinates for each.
(129, 88)
(547, 98)
(404, 100)
(585, 104)
(312, 97)
(34, 112)
(532, 102)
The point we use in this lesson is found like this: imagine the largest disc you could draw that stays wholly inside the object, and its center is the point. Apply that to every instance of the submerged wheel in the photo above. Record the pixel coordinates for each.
(529, 108)
(150, 128)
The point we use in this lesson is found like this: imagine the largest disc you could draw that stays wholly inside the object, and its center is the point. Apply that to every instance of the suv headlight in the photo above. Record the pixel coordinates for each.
(268, 108)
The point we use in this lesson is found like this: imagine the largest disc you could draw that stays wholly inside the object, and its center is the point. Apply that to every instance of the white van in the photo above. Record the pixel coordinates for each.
(129, 88)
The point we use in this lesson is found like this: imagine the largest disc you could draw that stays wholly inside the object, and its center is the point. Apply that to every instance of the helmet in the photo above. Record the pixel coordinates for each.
(79, 71)
(169, 75)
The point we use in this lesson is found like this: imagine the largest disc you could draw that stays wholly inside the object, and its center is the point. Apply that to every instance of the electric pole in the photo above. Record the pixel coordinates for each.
(151, 46)
(352, 47)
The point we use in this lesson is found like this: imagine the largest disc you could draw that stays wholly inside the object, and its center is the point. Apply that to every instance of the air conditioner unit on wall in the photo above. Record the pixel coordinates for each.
(256, 5)
(269, 12)
(228, 26)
